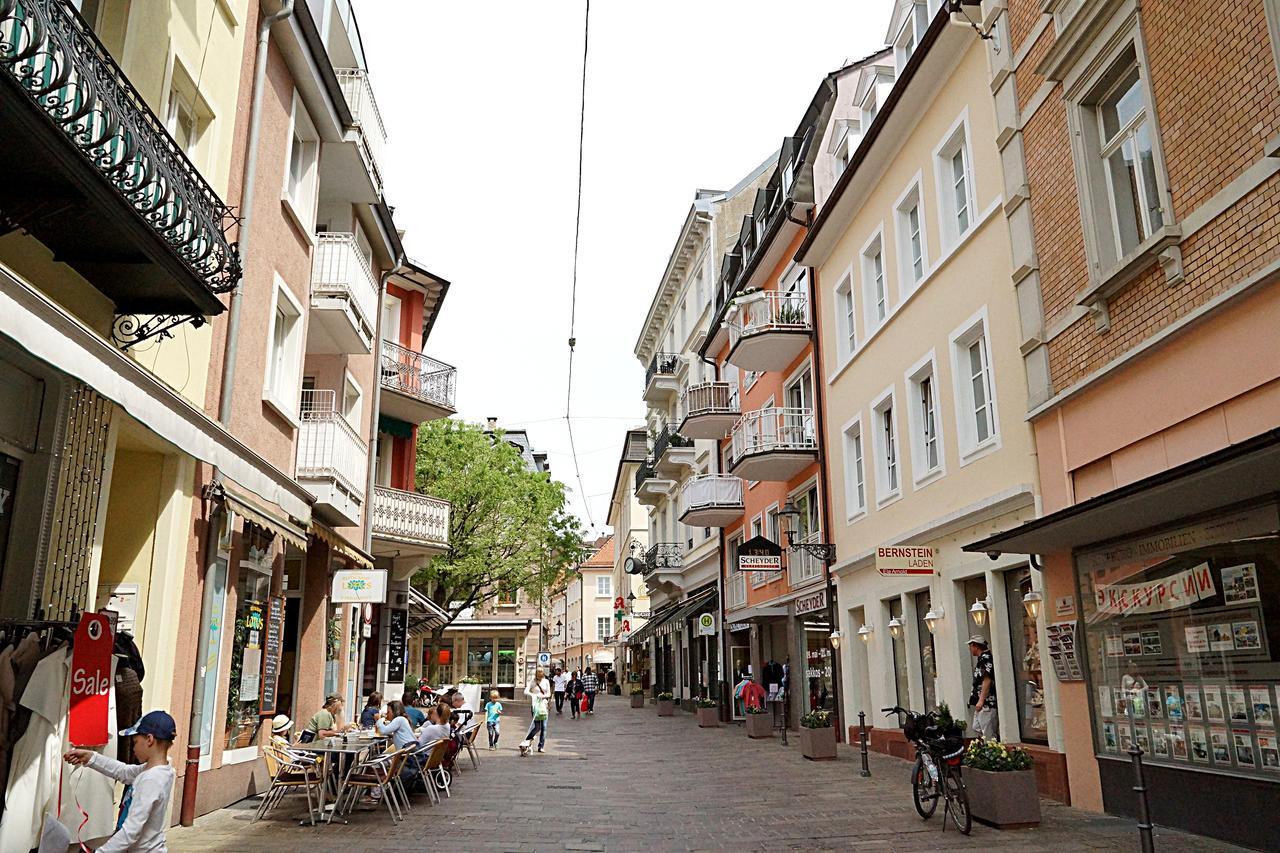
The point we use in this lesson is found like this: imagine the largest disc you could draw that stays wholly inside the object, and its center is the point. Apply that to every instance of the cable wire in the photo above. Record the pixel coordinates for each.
(573, 295)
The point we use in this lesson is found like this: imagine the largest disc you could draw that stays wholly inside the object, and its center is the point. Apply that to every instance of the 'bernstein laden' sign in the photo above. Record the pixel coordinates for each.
(904, 560)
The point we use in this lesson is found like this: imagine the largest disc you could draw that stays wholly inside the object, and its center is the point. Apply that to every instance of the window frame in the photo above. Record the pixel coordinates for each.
(757, 579)
(853, 437)
(608, 592)
(285, 399)
(970, 448)
(957, 139)
(871, 296)
(916, 24)
(605, 622)
(922, 472)
(888, 453)
(846, 307)
(911, 197)
(349, 381)
(302, 205)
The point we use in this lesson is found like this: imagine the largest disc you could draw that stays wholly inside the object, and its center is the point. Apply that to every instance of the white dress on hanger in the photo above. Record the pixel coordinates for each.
(32, 791)
(93, 791)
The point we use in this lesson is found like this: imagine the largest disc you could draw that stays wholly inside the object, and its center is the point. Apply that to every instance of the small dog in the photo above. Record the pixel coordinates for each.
(526, 747)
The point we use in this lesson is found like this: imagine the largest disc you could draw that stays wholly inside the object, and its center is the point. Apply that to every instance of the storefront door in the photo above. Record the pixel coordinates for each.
(739, 667)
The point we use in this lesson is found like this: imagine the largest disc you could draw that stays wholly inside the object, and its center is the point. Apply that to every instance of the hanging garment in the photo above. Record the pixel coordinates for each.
(90, 791)
(6, 705)
(128, 695)
(32, 790)
(24, 660)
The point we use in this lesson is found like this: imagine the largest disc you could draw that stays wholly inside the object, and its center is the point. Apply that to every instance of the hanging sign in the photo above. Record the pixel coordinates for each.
(1062, 650)
(759, 554)
(1177, 590)
(352, 586)
(273, 648)
(397, 634)
(706, 625)
(905, 560)
(90, 681)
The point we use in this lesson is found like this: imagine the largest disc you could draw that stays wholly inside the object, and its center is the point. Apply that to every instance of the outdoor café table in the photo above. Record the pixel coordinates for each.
(341, 750)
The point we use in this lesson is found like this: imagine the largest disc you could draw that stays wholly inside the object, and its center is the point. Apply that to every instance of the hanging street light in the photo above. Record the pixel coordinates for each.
(1031, 603)
(979, 612)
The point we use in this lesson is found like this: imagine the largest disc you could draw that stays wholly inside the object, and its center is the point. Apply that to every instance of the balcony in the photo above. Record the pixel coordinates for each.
(660, 383)
(769, 330)
(93, 175)
(415, 388)
(333, 463)
(344, 297)
(410, 526)
(710, 409)
(711, 500)
(672, 453)
(663, 565)
(372, 134)
(652, 489)
(773, 444)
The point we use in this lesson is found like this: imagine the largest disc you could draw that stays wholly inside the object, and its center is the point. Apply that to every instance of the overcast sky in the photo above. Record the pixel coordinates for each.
(481, 100)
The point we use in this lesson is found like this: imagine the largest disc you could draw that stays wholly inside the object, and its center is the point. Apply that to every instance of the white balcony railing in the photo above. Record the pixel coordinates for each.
(417, 375)
(774, 429)
(410, 516)
(341, 270)
(770, 311)
(709, 398)
(737, 589)
(364, 110)
(711, 491)
(801, 565)
(328, 448)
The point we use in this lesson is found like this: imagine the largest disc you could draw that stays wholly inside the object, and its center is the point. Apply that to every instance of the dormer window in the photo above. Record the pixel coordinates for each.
(909, 35)
(869, 107)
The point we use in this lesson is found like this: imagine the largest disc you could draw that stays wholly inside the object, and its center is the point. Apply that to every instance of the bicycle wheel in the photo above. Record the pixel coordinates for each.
(958, 802)
(922, 790)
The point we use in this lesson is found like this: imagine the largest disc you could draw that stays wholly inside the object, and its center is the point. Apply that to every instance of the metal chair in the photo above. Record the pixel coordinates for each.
(289, 772)
(437, 777)
(380, 773)
(469, 743)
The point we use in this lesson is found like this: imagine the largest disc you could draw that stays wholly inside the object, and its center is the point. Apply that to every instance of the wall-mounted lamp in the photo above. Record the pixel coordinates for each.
(931, 618)
(864, 634)
(895, 628)
(978, 612)
(835, 639)
(1031, 603)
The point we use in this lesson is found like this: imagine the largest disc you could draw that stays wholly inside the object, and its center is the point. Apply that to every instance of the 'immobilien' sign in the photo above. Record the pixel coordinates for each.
(759, 554)
(904, 560)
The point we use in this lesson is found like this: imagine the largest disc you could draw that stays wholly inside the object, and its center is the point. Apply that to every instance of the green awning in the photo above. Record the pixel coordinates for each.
(395, 427)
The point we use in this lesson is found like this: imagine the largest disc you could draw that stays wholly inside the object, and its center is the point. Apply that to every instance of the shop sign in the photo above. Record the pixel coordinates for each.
(759, 554)
(90, 681)
(1178, 590)
(641, 614)
(397, 634)
(706, 625)
(251, 655)
(1236, 526)
(1064, 606)
(353, 586)
(811, 603)
(905, 560)
(272, 651)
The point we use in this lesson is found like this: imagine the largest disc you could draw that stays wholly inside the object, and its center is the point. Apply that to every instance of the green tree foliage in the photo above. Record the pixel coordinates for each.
(509, 528)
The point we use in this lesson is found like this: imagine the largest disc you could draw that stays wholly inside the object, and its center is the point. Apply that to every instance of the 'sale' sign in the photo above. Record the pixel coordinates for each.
(90, 681)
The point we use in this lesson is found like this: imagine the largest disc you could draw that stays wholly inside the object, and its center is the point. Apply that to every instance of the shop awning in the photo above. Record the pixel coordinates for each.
(641, 635)
(690, 608)
(755, 614)
(334, 540)
(424, 614)
(286, 530)
(1235, 474)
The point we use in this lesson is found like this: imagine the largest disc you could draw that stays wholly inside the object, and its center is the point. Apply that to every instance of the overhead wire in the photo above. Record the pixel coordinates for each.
(577, 234)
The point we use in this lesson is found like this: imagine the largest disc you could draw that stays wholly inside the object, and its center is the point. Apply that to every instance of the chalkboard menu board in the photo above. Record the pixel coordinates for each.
(271, 652)
(397, 636)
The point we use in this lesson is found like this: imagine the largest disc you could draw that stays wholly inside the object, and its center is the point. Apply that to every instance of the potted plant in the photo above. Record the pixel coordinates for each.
(759, 723)
(1001, 782)
(708, 713)
(637, 697)
(666, 704)
(950, 726)
(817, 736)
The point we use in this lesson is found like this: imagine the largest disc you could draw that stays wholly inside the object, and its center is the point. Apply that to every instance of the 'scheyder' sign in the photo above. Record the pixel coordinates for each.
(759, 554)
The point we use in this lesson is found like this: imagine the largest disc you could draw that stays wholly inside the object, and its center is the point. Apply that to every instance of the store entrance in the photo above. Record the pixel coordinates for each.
(739, 670)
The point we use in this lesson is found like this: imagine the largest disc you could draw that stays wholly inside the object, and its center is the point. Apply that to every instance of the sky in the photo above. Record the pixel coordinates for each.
(481, 104)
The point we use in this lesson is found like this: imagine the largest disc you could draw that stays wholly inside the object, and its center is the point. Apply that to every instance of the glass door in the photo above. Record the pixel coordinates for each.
(740, 667)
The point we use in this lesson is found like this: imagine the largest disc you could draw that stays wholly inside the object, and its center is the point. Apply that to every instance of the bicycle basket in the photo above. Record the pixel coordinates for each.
(915, 727)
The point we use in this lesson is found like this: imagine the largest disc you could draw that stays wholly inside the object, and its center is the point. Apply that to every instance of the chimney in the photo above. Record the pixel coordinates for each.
(493, 424)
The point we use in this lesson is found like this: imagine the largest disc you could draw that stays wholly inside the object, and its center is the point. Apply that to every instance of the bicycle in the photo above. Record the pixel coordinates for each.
(936, 774)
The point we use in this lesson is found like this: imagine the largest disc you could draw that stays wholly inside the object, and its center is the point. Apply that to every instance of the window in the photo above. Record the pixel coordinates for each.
(301, 176)
(390, 318)
(953, 171)
(855, 481)
(976, 415)
(188, 117)
(843, 154)
(912, 260)
(506, 597)
(913, 27)
(875, 297)
(351, 401)
(1124, 138)
(253, 589)
(604, 586)
(868, 106)
(889, 484)
(737, 580)
(284, 352)
(797, 422)
(848, 334)
(899, 650)
(805, 528)
(926, 439)
(928, 651)
(757, 529)
(604, 625)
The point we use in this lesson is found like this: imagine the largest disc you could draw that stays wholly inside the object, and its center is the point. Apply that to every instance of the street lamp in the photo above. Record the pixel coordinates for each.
(932, 617)
(1031, 603)
(978, 612)
(895, 628)
(835, 639)
(864, 634)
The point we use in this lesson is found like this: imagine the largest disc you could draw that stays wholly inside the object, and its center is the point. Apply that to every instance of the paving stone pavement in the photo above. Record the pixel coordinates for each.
(628, 780)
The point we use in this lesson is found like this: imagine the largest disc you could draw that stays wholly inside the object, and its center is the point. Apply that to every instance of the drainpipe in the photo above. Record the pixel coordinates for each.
(213, 492)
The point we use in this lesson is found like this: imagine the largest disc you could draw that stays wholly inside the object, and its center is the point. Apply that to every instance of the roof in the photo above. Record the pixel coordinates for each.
(519, 439)
(603, 556)
(413, 276)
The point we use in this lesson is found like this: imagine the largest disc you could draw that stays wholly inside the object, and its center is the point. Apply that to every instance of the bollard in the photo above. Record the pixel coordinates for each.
(862, 738)
(1140, 788)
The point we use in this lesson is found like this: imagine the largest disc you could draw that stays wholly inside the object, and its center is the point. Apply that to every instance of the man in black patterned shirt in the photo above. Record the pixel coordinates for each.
(982, 698)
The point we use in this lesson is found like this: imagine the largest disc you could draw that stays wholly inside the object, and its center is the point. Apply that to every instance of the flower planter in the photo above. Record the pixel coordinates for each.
(759, 725)
(1006, 800)
(637, 700)
(708, 718)
(666, 707)
(818, 744)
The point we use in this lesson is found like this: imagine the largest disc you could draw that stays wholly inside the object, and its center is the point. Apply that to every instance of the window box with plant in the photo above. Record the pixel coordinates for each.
(1001, 782)
(759, 723)
(818, 736)
(666, 704)
(708, 713)
(637, 696)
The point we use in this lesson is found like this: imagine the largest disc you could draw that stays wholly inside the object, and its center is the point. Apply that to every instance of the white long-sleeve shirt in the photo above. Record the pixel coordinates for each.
(541, 689)
(143, 830)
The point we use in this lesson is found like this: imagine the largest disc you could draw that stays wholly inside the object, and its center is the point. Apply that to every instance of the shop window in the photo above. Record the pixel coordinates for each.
(253, 587)
(928, 652)
(1025, 650)
(817, 667)
(1179, 628)
(480, 658)
(975, 592)
(506, 661)
(902, 694)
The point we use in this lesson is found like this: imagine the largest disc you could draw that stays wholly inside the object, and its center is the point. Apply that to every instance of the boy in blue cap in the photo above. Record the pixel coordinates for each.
(143, 827)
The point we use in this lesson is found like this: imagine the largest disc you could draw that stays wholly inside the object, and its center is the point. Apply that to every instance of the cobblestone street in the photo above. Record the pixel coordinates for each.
(625, 780)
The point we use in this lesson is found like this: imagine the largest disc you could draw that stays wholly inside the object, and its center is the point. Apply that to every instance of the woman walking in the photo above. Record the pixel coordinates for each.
(539, 693)
(575, 695)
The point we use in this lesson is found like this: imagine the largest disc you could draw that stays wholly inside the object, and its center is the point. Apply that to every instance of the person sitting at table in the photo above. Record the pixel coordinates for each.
(327, 722)
(416, 715)
(395, 724)
(280, 725)
(437, 727)
(372, 710)
(462, 711)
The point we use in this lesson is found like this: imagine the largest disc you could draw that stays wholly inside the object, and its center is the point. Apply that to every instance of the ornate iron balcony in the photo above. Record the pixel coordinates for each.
(664, 555)
(410, 517)
(644, 472)
(662, 364)
(418, 375)
(669, 438)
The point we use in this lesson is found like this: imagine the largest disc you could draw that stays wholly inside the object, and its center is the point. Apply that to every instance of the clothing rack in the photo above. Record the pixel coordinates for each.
(50, 628)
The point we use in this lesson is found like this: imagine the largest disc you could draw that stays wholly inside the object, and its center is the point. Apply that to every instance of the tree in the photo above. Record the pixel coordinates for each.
(509, 528)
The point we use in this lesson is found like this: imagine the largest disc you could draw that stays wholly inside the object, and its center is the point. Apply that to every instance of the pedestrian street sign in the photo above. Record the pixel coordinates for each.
(544, 659)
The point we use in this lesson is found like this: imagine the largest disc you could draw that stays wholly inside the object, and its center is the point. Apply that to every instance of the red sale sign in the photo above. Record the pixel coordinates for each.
(90, 681)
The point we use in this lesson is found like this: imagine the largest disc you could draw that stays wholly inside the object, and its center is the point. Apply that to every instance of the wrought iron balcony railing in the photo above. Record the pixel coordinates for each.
(417, 375)
(664, 555)
(54, 58)
(662, 364)
(669, 438)
(409, 516)
(645, 472)
(364, 109)
(327, 445)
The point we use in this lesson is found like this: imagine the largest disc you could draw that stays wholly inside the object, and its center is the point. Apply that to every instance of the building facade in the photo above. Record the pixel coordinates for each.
(582, 633)
(1141, 178)
(630, 525)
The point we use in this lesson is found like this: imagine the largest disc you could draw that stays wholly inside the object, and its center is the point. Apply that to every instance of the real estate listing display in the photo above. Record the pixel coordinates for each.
(1180, 631)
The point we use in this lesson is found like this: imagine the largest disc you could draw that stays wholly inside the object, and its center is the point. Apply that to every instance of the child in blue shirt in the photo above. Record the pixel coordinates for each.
(493, 717)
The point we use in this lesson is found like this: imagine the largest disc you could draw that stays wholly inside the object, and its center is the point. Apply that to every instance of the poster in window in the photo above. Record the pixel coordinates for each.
(1123, 703)
(1104, 701)
(1133, 643)
(1246, 635)
(1151, 643)
(1214, 710)
(1191, 703)
(1243, 740)
(1173, 703)
(1197, 639)
(1236, 705)
(1144, 739)
(1269, 751)
(1260, 698)
(1115, 647)
(1221, 748)
(1126, 736)
(1199, 745)
(1220, 637)
(1240, 584)
(1177, 743)
(1109, 742)
(1155, 708)
(1160, 743)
